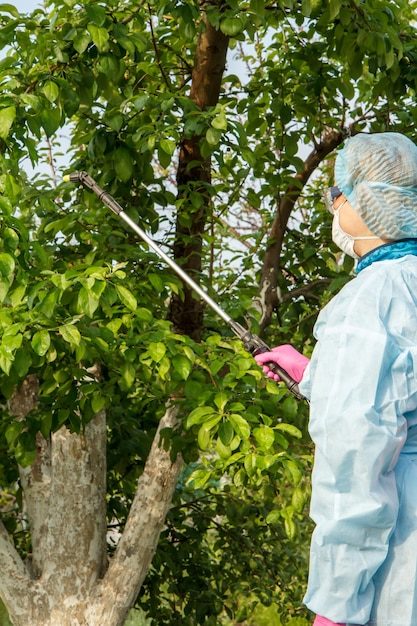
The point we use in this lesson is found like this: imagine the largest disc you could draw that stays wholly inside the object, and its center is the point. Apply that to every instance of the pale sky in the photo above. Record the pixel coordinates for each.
(25, 6)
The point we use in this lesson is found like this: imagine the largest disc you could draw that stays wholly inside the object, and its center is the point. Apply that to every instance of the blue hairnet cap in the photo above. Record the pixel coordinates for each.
(378, 175)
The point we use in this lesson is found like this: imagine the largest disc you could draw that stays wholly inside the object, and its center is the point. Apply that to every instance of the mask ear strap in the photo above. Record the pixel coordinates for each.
(340, 205)
(362, 238)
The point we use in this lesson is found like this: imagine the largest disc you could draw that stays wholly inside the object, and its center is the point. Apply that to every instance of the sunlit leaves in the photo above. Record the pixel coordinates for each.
(182, 365)
(240, 425)
(7, 117)
(123, 163)
(99, 35)
(127, 297)
(232, 26)
(70, 334)
(51, 90)
(41, 341)
(7, 266)
(88, 301)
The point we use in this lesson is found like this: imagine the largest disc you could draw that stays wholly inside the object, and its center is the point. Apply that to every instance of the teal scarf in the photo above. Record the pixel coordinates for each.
(393, 250)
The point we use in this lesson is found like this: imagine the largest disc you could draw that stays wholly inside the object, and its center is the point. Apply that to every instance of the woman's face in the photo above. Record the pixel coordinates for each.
(353, 225)
(349, 220)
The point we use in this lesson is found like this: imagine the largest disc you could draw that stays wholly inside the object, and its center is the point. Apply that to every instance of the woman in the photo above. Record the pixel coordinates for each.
(362, 386)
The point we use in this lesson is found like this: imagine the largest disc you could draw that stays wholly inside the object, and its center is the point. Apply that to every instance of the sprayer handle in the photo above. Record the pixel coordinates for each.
(292, 385)
(255, 345)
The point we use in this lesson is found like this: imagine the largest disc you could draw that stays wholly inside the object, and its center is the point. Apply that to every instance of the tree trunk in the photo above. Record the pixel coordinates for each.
(65, 582)
(194, 175)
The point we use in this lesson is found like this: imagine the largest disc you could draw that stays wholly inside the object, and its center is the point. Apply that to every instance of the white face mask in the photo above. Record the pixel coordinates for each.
(342, 239)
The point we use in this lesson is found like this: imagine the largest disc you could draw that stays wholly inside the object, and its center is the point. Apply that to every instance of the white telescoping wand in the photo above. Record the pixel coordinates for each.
(252, 343)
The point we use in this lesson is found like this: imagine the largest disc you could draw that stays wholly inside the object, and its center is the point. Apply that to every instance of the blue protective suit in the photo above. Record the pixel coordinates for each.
(362, 385)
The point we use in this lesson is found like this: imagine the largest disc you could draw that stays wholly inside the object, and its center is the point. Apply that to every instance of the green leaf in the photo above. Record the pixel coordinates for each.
(213, 136)
(294, 470)
(289, 525)
(232, 26)
(264, 436)
(70, 334)
(226, 433)
(240, 425)
(81, 42)
(100, 36)
(274, 517)
(88, 301)
(123, 164)
(250, 464)
(115, 121)
(168, 146)
(51, 90)
(156, 282)
(22, 361)
(4, 289)
(9, 8)
(127, 297)
(98, 402)
(306, 8)
(334, 8)
(13, 431)
(219, 122)
(7, 117)
(223, 451)
(144, 314)
(298, 499)
(6, 360)
(48, 304)
(164, 367)
(7, 266)
(199, 415)
(46, 424)
(41, 341)
(50, 119)
(221, 399)
(182, 365)
(96, 14)
(203, 437)
(272, 388)
(157, 350)
(199, 478)
(128, 374)
(290, 429)
(12, 342)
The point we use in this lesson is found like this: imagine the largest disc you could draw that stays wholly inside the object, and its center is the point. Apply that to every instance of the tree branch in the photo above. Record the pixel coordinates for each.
(269, 276)
(157, 55)
(305, 290)
(15, 582)
(127, 570)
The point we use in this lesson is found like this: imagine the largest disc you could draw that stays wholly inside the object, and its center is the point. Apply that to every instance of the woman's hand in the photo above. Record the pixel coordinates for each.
(323, 621)
(288, 358)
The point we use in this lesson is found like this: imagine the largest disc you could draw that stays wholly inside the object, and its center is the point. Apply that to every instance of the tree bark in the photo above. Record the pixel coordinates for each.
(270, 270)
(194, 175)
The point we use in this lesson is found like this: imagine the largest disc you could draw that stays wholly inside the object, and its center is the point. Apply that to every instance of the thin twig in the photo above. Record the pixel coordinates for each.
(158, 58)
(51, 162)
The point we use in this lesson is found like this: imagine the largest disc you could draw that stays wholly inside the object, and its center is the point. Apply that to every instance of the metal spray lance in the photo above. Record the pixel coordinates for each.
(252, 343)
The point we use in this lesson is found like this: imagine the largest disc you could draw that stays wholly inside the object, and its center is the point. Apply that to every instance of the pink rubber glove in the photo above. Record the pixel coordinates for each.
(287, 357)
(323, 621)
